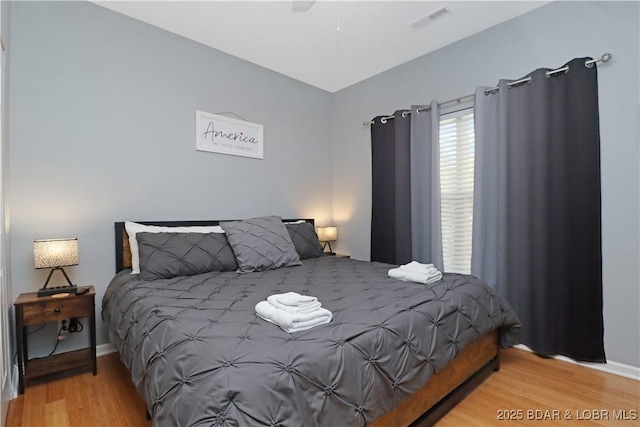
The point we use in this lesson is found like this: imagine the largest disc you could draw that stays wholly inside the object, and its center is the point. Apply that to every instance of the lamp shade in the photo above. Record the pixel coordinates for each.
(55, 253)
(328, 234)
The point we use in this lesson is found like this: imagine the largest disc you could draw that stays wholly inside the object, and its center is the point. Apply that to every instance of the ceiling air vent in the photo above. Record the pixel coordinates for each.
(429, 17)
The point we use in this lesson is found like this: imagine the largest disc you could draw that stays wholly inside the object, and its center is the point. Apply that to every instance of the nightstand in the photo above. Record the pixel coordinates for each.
(340, 255)
(30, 310)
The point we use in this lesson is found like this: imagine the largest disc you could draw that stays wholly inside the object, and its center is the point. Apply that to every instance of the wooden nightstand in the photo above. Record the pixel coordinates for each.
(340, 255)
(30, 310)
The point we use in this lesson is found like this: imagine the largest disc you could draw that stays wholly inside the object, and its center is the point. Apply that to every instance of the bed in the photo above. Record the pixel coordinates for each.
(394, 354)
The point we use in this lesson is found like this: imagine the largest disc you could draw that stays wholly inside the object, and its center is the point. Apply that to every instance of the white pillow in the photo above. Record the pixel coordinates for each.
(133, 228)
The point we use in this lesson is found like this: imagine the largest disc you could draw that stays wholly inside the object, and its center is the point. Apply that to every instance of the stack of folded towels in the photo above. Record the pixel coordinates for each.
(416, 272)
(293, 312)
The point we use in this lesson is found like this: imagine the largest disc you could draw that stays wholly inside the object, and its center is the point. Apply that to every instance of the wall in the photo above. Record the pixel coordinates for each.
(546, 37)
(102, 129)
(6, 299)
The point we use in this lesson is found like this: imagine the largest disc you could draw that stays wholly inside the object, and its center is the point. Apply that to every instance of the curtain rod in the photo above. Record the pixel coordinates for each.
(588, 63)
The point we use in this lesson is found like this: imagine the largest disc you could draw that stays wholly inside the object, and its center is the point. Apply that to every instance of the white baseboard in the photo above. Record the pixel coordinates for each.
(14, 381)
(104, 349)
(615, 368)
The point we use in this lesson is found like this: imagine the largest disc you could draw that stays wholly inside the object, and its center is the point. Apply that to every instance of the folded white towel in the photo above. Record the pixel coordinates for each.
(302, 326)
(305, 308)
(414, 276)
(419, 267)
(293, 322)
(294, 299)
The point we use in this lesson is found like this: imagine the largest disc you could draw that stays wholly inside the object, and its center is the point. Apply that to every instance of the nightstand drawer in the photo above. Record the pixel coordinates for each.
(52, 310)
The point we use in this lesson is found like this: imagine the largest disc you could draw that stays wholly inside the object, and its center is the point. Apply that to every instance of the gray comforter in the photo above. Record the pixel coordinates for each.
(200, 356)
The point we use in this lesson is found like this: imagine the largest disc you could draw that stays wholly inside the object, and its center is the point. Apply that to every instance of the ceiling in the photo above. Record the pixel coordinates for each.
(373, 36)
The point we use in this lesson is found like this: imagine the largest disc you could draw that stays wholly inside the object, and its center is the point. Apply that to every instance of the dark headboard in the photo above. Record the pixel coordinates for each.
(123, 253)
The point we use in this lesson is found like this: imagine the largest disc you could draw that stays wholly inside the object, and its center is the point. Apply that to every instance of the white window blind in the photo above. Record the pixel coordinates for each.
(457, 149)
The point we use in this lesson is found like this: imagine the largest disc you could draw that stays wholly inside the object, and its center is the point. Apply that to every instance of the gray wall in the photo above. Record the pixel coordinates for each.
(6, 334)
(102, 129)
(546, 37)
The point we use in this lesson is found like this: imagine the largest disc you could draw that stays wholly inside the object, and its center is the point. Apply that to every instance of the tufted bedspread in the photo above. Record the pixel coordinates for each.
(200, 356)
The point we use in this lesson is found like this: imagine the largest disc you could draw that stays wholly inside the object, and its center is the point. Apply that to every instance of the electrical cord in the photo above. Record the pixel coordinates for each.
(75, 325)
(37, 329)
(54, 347)
(15, 355)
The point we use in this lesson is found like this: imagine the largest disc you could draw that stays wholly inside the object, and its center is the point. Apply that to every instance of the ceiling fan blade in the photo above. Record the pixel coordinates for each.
(302, 5)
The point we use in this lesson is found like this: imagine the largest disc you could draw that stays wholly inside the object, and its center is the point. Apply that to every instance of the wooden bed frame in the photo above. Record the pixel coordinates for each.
(443, 391)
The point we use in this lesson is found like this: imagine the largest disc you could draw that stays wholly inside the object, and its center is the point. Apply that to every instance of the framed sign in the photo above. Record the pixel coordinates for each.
(221, 134)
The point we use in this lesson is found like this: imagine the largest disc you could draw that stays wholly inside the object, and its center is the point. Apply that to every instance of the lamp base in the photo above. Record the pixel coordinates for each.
(46, 292)
(330, 250)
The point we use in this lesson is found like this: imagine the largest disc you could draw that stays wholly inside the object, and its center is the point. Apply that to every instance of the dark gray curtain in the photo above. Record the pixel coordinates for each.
(391, 189)
(537, 226)
(405, 215)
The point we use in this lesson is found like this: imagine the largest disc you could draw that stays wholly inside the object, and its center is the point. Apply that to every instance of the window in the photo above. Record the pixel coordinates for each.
(457, 149)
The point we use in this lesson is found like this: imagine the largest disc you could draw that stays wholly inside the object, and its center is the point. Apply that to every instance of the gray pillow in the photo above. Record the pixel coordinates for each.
(305, 240)
(166, 255)
(261, 244)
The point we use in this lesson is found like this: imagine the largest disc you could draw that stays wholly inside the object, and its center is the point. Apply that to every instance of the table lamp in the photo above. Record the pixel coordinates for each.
(328, 235)
(55, 254)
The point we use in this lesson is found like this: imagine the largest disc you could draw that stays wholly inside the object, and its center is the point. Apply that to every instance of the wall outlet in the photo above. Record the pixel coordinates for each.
(63, 326)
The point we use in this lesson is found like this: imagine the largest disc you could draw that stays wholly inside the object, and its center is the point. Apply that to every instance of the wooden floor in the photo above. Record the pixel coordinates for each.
(528, 391)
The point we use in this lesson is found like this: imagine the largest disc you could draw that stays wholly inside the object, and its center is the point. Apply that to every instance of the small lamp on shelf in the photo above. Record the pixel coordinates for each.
(327, 235)
(55, 254)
